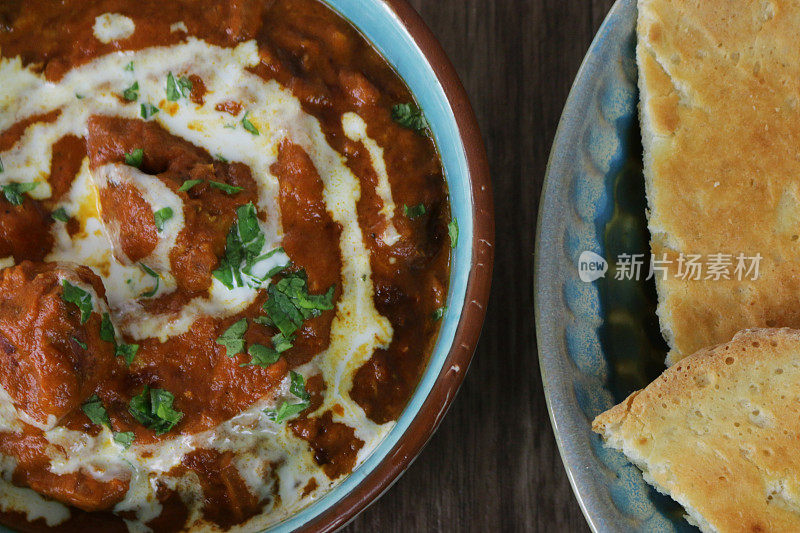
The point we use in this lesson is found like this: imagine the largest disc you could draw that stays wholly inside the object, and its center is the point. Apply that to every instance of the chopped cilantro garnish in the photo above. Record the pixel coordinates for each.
(161, 216)
(452, 229)
(173, 94)
(281, 343)
(288, 410)
(178, 88)
(1, 165)
(242, 251)
(60, 214)
(148, 110)
(79, 96)
(409, 116)
(135, 158)
(298, 386)
(153, 409)
(188, 184)
(289, 303)
(127, 352)
(79, 297)
(96, 412)
(262, 355)
(108, 334)
(264, 321)
(185, 85)
(439, 313)
(249, 125)
(129, 67)
(414, 211)
(131, 94)
(266, 356)
(150, 272)
(233, 338)
(220, 157)
(124, 438)
(224, 187)
(81, 344)
(14, 191)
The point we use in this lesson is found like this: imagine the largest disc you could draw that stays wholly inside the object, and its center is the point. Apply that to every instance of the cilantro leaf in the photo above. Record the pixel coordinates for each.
(243, 252)
(81, 344)
(264, 321)
(178, 88)
(79, 96)
(124, 438)
(281, 343)
(439, 313)
(135, 158)
(127, 352)
(414, 211)
(288, 410)
(173, 94)
(107, 332)
(249, 125)
(60, 214)
(96, 412)
(298, 386)
(409, 116)
(79, 297)
(185, 85)
(188, 184)
(161, 216)
(14, 191)
(148, 110)
(129, 67)
(233, 338)
(285, 411)
(1, 165)
(289, 303)
(262, 355)
(230, 189)
(452, 229)
(220, 157)
(131, 94)
(153, 409)
(150, 272)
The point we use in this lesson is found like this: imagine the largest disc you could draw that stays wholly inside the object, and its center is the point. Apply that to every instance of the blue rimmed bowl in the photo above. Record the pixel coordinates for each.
(599, 340)
(400, 35)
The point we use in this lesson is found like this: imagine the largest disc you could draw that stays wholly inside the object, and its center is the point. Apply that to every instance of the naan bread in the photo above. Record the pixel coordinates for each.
(719, 432)
(720, 108)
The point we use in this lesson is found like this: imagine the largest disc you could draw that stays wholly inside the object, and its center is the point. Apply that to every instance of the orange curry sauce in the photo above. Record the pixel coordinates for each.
(330, 68)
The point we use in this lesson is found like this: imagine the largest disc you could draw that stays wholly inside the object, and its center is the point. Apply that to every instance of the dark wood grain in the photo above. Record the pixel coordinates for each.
(493, 465)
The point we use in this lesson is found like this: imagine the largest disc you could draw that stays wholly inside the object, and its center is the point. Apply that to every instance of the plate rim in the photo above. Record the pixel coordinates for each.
(596, 512)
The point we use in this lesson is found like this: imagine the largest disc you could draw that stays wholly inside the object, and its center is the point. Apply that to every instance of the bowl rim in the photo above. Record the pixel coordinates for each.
(447, 383)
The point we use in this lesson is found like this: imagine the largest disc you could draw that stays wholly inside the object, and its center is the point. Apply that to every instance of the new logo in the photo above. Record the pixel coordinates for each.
(591, 267)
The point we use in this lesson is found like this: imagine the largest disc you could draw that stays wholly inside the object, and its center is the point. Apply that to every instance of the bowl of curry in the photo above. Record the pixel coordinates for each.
(245, 252)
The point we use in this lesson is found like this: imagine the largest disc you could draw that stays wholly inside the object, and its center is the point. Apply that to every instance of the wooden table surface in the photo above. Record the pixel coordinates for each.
(493, 465)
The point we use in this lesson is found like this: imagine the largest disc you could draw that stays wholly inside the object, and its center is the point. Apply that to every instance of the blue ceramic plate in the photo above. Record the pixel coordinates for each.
(599, 340)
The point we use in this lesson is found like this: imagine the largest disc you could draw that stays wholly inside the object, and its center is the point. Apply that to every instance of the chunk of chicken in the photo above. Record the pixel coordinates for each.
(51, 354)
(192, 239)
